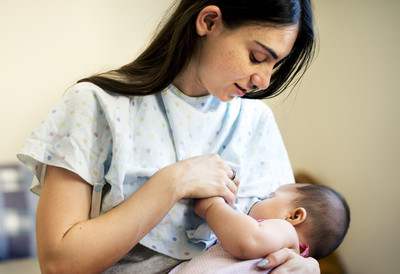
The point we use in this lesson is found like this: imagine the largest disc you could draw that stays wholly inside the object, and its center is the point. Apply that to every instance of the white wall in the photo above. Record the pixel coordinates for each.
(342, 124)
(47, 45)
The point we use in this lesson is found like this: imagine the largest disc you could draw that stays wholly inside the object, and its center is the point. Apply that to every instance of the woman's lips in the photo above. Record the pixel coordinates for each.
(241, 91)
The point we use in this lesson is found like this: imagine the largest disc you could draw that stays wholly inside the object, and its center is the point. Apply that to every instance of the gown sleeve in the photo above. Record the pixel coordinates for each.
(75, 136)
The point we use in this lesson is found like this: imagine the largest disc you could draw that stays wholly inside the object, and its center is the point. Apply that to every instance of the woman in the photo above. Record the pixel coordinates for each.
(169, 126)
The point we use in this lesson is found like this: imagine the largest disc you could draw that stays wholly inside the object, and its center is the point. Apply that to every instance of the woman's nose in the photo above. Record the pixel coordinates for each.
(260, 81)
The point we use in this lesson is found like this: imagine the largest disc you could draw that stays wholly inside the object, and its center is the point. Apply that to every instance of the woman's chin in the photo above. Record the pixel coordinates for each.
(230, 97)
(226, 98)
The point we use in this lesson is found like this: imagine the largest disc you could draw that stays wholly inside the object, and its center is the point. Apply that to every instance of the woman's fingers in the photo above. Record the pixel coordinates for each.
(288, 261)
(232, 183)
(231, 186)
(229, 197)
(232, 174)
(298, 265)
(236, 181)
(277, 258)
(207, 176)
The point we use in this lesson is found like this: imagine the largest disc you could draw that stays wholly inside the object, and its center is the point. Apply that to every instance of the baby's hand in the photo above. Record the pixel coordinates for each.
(202, 205)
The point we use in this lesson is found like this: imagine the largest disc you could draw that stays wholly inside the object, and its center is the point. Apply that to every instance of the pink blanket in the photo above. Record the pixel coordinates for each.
(217, 261)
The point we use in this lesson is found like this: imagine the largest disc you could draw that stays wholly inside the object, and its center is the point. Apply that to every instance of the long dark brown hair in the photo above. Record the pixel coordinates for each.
(174, 45)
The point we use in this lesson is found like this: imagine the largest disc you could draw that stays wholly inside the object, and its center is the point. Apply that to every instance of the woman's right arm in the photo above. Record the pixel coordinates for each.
(70, 242)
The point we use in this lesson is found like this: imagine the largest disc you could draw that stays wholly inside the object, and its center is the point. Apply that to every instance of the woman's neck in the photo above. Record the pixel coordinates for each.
(188, 81)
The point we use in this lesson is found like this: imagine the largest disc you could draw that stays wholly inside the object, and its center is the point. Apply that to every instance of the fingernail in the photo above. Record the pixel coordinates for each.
(263, 263)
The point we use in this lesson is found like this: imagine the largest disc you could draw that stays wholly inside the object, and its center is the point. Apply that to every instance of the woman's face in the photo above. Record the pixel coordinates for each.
(229, 63)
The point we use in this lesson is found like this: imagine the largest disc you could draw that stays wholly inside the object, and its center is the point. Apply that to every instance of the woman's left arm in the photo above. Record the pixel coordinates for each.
(287, 261)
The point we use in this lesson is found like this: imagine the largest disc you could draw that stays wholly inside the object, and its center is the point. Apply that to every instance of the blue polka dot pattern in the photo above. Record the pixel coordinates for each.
(123, 140)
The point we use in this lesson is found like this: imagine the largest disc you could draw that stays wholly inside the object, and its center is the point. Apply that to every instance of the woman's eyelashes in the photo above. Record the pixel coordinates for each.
(258, 58)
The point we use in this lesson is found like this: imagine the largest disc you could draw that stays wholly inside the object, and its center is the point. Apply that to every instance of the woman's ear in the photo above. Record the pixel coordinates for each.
(209, 20)
(297, 216)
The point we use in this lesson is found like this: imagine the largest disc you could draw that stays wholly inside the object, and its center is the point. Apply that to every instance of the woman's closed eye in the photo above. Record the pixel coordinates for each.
(257, 58)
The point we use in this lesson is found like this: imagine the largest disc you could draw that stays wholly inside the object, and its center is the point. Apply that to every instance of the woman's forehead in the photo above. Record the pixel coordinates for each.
(280, 39)
(259, 31)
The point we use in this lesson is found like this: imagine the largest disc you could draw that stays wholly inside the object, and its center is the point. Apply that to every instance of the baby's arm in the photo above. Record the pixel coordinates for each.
(241, 235)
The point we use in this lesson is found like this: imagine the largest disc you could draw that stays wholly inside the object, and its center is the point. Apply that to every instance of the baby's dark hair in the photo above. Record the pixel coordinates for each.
(328, 218)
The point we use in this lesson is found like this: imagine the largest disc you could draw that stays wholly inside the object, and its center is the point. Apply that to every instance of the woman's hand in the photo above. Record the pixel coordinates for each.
(203, 177)
(288, 261)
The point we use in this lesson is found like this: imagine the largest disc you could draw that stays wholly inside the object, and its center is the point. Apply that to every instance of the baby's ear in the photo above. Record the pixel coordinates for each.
(297, 216)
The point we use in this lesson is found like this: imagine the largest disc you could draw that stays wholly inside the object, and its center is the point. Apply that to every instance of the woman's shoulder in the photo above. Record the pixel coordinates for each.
(106, 98)
(88, 90)
(85, 86)
(89, 95)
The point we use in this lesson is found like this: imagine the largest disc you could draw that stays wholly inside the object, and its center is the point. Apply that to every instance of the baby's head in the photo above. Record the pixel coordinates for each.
(319, 214)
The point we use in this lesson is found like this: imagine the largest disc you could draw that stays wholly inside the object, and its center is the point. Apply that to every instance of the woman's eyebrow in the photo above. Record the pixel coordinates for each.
(271, 51)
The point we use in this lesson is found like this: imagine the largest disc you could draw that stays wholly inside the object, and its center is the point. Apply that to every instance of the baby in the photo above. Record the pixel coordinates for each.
(310, 219)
